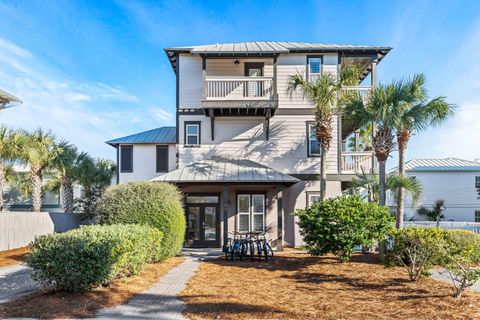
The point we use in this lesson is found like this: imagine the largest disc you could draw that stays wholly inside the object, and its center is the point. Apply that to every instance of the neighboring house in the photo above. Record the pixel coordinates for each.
(454, 180)
(244, 150)
(6, 99)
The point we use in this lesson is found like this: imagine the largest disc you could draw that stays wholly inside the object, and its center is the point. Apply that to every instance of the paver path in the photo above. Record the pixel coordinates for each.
(15, 281)
(160, 301)
(435, 274)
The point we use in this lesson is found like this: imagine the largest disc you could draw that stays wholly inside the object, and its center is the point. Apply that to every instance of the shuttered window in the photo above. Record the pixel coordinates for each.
(162, 158)
(126, 158)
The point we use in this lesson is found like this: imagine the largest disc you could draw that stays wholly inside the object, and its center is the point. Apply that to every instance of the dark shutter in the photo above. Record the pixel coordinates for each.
(126, 158)
(162, 158)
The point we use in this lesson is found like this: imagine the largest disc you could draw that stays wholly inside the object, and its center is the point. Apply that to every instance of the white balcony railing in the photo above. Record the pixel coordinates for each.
(238, 88)
(362, 91)
(357, 161)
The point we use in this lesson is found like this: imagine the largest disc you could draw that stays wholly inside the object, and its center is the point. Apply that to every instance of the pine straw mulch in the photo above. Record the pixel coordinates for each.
(298, 286)
(14, 256)
(64, 305)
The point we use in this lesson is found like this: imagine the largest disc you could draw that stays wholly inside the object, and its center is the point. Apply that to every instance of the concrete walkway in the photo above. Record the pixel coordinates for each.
(435, 274)
(15, 281)
(160, 301)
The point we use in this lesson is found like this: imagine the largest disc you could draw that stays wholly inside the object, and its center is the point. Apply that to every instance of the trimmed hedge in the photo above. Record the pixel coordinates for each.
(157, 204)
(82, 258)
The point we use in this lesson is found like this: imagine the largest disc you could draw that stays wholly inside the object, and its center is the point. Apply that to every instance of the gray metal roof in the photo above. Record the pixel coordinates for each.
(159, 135)
(224, 170)
(6, 98)
(271, 48)
(446, 164)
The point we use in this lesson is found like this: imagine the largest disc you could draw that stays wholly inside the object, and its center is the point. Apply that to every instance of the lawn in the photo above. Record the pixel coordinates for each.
(298, 286)
(11, 257)
(63, 305)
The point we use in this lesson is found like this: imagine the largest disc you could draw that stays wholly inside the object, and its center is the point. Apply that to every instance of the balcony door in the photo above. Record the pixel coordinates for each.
(203, 221)
(254, 88)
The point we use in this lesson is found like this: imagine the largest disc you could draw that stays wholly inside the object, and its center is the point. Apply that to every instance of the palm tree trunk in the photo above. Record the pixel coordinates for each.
(323, 174)
(400, 210)
(2, 185)
(67, 194)
(36, 179)
(381, 182)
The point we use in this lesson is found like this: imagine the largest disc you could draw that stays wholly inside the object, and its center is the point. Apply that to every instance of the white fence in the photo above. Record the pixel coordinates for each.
(18, 229)
(454, 225)
(357, 161)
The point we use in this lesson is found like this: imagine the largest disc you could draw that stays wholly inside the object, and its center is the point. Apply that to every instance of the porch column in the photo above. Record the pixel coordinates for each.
(225, 215)
(374, 73)
(280, 218)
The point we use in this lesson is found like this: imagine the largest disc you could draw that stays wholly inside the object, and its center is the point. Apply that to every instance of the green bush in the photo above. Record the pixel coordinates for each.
(340, 224)
(93, 255)
(466, 243)
(416, 249)
(156, 204)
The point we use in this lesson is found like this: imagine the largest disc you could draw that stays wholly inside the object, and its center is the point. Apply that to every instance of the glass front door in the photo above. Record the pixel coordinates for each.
(203, 224)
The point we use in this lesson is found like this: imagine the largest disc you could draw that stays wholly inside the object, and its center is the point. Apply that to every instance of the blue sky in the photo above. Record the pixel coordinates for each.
(96, 70)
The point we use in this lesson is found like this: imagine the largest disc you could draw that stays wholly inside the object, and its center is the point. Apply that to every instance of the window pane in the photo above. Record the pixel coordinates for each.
(126, 153)
(258, 203)
(210, 223)
(258, 222)
(192, 140)
(312, 198)
(192, 129)
(314, 146)
(315, 65)
(244, 203)
(202, 199)
(243, 222)
(193, 223)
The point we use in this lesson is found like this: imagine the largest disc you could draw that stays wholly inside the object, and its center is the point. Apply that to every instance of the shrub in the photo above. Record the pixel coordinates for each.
(93, 255)
(461, 252)
(340, 224)
(156, 204)
(416, 249)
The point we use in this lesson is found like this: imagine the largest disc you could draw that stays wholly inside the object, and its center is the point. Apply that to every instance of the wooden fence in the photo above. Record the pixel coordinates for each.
(18, 229)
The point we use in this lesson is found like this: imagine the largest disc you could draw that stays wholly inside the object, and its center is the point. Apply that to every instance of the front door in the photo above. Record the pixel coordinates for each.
(203, 224)
(254, 88)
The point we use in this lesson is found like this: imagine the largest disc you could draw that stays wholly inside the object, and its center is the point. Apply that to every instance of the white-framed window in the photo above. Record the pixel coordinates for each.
(312, 197)
(313, 148)
(192, 133)
(314, 67)
(251, 212)
(477, 215)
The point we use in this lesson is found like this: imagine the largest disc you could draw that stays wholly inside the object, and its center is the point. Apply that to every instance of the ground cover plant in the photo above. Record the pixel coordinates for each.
(156, 204)
(338, 225)
(80, 259)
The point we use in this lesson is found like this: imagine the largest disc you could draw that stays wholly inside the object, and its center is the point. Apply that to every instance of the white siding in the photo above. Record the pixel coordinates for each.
(227, 67)
(191, 81)
(243, 137)
(457, 188)
(144, 163)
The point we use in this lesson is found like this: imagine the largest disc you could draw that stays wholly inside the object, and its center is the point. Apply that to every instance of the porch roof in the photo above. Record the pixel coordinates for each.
(222, 170)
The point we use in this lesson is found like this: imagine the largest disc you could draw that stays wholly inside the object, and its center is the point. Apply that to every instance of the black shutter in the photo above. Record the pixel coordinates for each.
(162, 158)
(126, 158)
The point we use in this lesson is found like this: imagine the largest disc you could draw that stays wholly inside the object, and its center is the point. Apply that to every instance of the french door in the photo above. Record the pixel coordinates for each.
(203, 225)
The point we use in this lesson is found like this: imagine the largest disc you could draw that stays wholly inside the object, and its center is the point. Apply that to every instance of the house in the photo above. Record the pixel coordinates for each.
(243, 149)
(456, 181)
(6, 99)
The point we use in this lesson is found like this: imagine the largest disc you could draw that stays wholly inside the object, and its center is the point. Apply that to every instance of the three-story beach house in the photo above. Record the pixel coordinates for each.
(244, 150)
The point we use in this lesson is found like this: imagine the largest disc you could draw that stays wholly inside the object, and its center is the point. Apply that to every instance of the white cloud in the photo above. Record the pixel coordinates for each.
(161, 114)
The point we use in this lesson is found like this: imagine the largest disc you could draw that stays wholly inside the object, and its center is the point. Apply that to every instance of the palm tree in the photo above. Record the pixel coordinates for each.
(436, 213)
(325, 93)
(69, 165)
(377, 109)
(39, 152)
(10, 144)
(415, 113)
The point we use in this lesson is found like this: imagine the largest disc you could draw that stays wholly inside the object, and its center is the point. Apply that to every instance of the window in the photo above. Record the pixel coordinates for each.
(313, 145)
(126, 158)
(312, 197)
(477, 215)
(162, 159)
(251, 212)
(314, 67)
(477, 182)
(192, 133)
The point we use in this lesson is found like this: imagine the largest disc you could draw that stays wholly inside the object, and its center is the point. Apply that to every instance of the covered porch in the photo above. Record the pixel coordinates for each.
(223, 196)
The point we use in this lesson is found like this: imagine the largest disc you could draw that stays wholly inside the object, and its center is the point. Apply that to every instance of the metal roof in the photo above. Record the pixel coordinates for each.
(6, 98)
(271, 48)
(446, 164)
(224, 170)
(159, 135)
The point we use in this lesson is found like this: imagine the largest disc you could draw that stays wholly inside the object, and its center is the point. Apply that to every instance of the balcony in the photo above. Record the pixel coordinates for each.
(354, 162)
(238, 88)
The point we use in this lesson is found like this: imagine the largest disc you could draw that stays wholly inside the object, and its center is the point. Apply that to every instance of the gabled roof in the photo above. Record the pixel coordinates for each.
(6, 98)
(165, 135)
(259, 48)
(446, 164)
(224, 170)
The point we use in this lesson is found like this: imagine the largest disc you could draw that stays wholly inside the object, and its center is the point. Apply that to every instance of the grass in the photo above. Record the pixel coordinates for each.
(64, 305)
(298, 286)
(11, 257)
